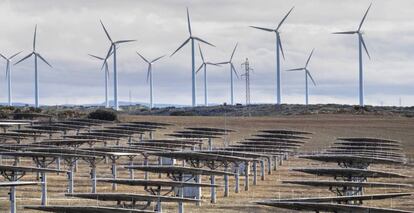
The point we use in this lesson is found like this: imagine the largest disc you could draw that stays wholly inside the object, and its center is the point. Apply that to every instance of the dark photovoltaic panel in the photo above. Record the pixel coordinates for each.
(328, 207)
(373, 140)
(276, 140)
(4, 168)
(344, 198)
(85, 209)
(282, 136)
(285, 132)
(326, 183)
(131, 197)
(191, 155)
(349, 172)
(178, 170)
(210, 129)
(186, 135)
(154, 182)
(201, 133)
(351, 159)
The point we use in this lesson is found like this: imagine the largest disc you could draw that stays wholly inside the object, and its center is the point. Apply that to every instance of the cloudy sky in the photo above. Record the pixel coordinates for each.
(69, 30)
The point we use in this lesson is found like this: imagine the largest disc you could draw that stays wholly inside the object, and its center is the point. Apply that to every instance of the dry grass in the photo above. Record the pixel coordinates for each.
(325, 127)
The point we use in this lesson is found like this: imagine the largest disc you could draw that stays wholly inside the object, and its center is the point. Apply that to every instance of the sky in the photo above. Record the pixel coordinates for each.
(70, 30)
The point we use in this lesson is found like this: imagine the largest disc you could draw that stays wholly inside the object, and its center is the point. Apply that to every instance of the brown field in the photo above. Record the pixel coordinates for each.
(325, 128)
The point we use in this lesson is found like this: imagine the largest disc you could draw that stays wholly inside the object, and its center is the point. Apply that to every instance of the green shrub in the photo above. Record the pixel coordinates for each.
(103, 114)
(182, 113)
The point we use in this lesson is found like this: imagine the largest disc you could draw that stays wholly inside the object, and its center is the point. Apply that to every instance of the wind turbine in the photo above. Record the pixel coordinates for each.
(9, 75)
(232, 69)
(307, 73)
(204, 65)
(193, 72)
(112, 50)
(361, 43)
(106, 73)
(149, 76)
(279, 49)
(36, 55)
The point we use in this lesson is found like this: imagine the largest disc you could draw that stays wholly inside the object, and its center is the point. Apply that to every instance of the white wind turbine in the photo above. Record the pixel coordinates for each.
(204, 65)
(112, 50)
(307, 73)
(9, 76)
(106, 73)
(36, 55)
(149, 76)
(232, 70)
(193, 71)
(279, 48)
(361, 44)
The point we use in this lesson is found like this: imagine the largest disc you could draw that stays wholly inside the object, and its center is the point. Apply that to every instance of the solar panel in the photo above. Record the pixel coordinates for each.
(349, 172)
(85, 209)
(326, 183)
(328, 207)
(154, 182)
(131, 197)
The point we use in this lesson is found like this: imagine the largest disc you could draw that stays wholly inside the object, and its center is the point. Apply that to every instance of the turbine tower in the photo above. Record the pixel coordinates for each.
(9, 76)
(106, 74)
(232, 69)
(204, 65)
(36, 55)
(112, 50)
(193, 73)
(149, 77)
(307, 73)
(279, 49)
(361, 43)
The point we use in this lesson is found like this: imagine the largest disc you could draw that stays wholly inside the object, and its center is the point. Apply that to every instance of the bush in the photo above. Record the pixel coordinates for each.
(3, 115)
(182, 113)
(102, 114)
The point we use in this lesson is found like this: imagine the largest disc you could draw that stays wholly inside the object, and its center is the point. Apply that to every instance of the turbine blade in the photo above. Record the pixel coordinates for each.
(234, 50)
(182, 45)
(11, 57)
(157, 59)
(297, 69)
(284, 18)
(44, 60)
(223, 62)
(107, 56)
(143, 58)
(281, 47)
(24, 58)
(345, 32)
(262, 28)
(363, 19)
(188, 22)
(310, 76)
(201, 40)
(124, 41)
(106, 32)
(201, 53)
(214, 64)
(1, 55)
(365, 47)
(200, 67)
(234, 70)
(34, 38)
(97, 57)
(310, 56)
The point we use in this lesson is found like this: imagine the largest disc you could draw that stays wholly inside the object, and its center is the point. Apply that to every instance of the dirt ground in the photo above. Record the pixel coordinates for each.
(325, 128)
